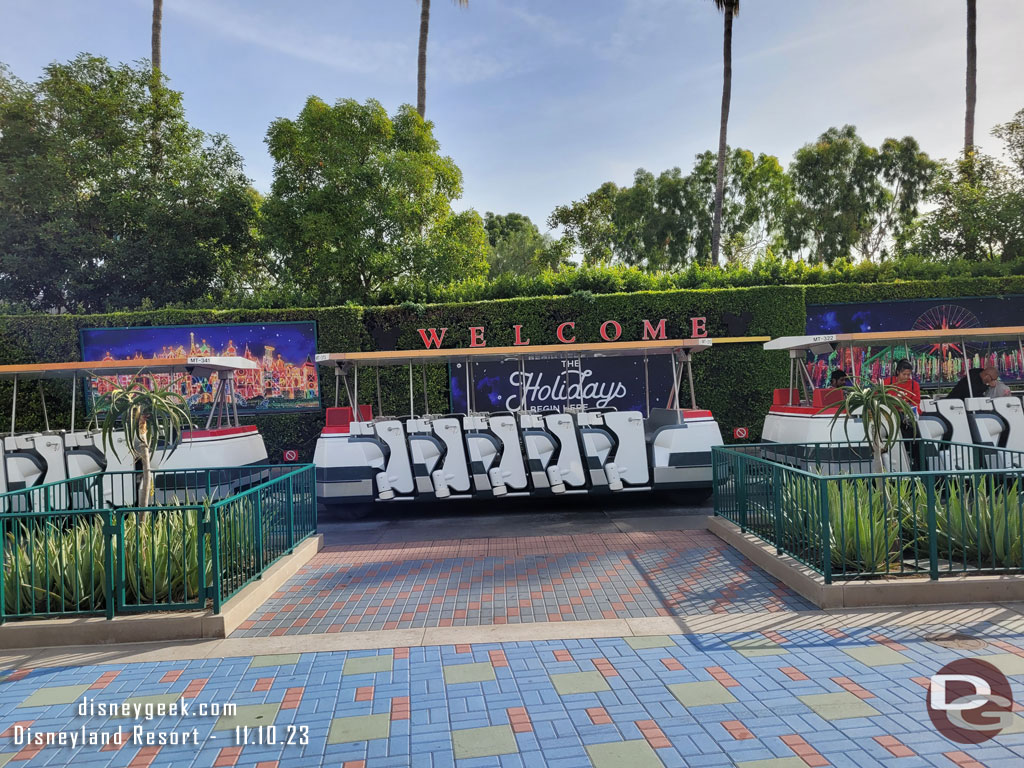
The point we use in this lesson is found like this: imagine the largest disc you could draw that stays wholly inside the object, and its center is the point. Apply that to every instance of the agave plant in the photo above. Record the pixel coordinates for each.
(981, 523)
(146, 416)
(881, 408)
(868, 521)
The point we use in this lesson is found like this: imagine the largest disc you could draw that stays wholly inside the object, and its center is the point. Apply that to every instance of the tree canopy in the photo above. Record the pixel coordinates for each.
(108, 198)
(361, 199)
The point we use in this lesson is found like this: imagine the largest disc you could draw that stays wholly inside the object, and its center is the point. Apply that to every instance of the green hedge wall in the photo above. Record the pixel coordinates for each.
(735, 381)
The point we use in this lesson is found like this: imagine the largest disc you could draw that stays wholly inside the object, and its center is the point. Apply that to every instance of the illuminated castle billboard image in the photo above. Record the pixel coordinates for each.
(285, 380)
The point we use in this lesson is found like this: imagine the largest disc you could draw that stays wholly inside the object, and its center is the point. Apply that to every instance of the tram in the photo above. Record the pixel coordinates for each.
(803, 413)
(574, 449)
(30, 459)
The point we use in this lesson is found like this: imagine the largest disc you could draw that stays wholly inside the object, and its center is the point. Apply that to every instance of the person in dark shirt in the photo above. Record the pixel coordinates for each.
(839, 378)
(963, 390)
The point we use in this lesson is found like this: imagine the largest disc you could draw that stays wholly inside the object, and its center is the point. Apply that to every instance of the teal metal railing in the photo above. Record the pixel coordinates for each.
(939, 508)
(81, 547)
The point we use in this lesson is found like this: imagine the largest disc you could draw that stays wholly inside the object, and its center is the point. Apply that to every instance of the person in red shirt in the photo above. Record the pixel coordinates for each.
(904, 379)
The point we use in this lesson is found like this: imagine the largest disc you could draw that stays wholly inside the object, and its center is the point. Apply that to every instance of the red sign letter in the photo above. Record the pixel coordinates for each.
(560, 333)
(650, 332)
(476, 337)
(604, 330)
(434, 340)
(700, 328)
(519, 337)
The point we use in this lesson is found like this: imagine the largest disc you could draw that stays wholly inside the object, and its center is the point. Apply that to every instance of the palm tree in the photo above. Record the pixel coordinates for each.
(421, 92)
(972, 76)
(158, 15)
(730, 8)
(146, 417)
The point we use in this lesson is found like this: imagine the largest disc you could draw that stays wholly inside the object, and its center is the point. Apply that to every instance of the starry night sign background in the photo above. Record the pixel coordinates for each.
(294, 342)
(615, 382)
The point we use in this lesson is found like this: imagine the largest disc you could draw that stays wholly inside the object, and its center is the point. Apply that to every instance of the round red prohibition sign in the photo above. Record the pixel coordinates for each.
(291, 455)
(970, 701)
(740, 433)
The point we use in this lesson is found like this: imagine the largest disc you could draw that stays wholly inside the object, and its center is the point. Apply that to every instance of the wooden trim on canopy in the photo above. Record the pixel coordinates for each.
(598, 349)
(946, 335)
(118, 367)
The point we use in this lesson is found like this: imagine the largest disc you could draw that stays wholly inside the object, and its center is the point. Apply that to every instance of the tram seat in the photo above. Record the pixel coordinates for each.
(342, 417)
(786, 397)
(826, 397)
(661, 417)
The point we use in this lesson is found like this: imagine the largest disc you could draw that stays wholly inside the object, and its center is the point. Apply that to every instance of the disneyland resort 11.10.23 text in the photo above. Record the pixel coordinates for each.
(138, 733)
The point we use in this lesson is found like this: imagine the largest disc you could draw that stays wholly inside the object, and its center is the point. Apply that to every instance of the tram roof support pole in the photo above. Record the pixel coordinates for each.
(412, 407)
(967, 368)
(234, 398)
(42, 399)
(647, 387)
(14, 403)
(675, 388)
(689, 374)
(355, 388)
(74, 395)
(380, 401)
(426, 401)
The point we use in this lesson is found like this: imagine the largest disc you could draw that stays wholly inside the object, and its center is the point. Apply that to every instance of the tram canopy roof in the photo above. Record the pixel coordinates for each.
(600, 349)
(194, 365)
(825, 341)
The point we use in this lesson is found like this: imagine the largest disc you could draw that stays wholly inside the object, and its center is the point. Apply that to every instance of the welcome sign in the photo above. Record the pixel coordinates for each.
(549, 382)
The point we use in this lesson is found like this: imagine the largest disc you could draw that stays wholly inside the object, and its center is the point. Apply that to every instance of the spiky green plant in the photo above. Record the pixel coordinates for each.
(981, 522)
(881, 408)
(146, 416)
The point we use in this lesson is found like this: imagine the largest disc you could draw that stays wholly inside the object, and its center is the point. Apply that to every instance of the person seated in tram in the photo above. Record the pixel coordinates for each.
(910, 390)
(995, 388)
(839, 379)
(971, 385)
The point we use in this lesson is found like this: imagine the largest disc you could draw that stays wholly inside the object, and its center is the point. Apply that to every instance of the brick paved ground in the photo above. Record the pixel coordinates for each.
(850, 698)
(497, 581)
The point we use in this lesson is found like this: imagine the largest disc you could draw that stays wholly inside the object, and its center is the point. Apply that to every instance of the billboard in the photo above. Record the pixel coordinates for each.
(551, 382)
(285, 380)
(935, 365)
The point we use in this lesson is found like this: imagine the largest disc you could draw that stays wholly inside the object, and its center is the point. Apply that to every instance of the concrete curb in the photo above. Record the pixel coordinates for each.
(165, 626)
(899, 591)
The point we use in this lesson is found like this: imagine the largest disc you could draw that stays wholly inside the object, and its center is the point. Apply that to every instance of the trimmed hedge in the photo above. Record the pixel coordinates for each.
(735, 381)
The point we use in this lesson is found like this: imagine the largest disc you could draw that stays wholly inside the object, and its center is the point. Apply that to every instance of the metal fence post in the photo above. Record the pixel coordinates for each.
(3, 559)
(215, 554)
(259, 534)
(741, 495)
(777, 508)
(110, 540)
(826, 531)
(291, 516)
(933, 536)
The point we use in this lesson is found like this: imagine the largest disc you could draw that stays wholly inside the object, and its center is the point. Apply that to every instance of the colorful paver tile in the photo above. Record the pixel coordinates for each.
(683, 700)
(512, 581)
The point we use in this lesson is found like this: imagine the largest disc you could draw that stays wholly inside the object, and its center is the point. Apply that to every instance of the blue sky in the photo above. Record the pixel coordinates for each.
(541, 102)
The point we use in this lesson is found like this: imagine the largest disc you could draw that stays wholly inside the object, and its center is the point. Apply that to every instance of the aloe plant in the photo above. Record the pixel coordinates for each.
(60, 566)
(982, 523)
(867, 521)
(881, 408)
(147, 416)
